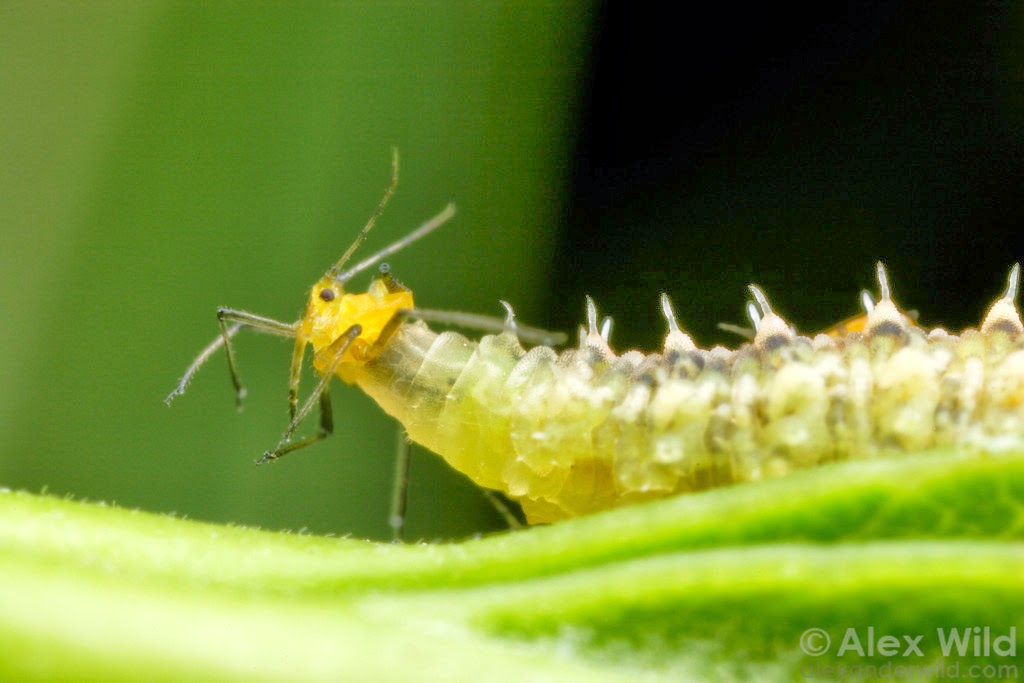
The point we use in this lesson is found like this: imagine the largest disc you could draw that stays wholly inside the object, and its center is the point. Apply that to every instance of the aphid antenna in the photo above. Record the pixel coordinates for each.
(336, 268)
(425, 229)
(486, 323)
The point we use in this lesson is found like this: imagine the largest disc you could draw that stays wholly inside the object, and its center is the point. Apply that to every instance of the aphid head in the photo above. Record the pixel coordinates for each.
(331, 311)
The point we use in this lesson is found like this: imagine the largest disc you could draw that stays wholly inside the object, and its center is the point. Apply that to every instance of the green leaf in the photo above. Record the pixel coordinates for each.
(718, 585)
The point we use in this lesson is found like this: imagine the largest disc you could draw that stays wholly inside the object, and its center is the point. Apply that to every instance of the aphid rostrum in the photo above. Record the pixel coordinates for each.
(585, 429)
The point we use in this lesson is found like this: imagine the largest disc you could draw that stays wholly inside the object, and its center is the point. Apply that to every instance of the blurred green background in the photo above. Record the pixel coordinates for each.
(162, 158)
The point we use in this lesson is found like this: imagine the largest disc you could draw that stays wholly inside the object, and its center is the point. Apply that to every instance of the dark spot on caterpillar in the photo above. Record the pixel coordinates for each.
(1006, 326)
(647, 378)
(718, 364)
(596, 356)
(837, 415)
(327, 294)
(888, 328)
(684, 365)
(775, 342)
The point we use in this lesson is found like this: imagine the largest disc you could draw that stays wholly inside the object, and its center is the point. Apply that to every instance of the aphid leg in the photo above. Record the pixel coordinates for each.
(240, 319)
(500, 504)
(336, 268)
(230, 354)
(400, 489)
(336, 352)
(203, 356)
(400, 494)
(294, 374)
(325, 429)
(738, 330)
(225, 315)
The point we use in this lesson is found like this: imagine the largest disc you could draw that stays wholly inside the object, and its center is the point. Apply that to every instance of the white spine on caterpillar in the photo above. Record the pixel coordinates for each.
(1003, 313)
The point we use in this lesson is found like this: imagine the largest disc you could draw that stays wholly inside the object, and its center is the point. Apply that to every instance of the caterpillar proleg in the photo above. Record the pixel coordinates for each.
(571, 432)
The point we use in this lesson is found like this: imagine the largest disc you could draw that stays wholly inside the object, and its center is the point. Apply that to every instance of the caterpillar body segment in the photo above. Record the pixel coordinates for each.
(585, 429)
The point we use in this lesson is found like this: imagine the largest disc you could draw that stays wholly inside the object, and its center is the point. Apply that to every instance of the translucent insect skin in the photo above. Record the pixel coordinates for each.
(583, 430)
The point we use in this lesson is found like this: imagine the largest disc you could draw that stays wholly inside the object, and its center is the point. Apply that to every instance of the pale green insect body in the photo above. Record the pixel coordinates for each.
(585, 429)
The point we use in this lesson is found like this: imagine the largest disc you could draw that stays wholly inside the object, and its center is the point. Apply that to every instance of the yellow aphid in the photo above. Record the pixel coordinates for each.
(331, 313)
(570, 432)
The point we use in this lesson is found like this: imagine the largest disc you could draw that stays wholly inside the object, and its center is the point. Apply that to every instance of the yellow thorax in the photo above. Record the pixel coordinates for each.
(331, 312)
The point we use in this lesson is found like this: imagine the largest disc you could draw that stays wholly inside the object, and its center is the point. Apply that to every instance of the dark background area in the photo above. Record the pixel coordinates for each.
(794, 147)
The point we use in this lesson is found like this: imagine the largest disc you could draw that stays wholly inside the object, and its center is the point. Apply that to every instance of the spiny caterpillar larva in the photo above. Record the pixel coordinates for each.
(585, 429)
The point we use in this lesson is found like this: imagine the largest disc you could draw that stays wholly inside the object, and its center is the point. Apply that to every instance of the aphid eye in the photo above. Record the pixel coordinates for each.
(327, 294)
